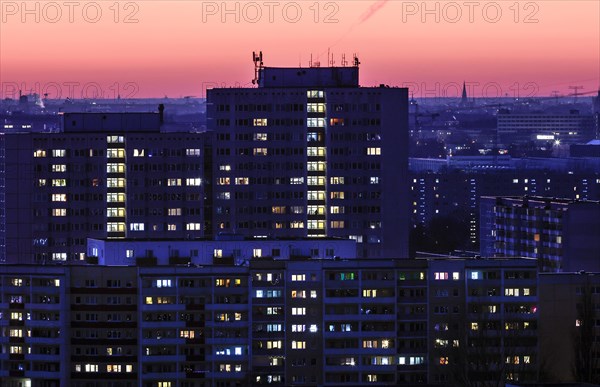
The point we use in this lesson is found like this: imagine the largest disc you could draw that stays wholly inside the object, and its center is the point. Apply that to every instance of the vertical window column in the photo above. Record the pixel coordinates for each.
(316, 111)
(116, 187)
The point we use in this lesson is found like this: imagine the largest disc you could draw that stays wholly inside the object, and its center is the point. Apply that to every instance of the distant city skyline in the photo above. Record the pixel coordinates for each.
(181, 49)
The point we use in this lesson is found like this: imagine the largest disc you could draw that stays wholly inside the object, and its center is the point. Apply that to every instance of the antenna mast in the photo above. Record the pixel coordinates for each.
(575, 92)
(258, 65)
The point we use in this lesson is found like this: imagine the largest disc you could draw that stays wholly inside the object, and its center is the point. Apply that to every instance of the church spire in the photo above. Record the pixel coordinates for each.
(464, 100)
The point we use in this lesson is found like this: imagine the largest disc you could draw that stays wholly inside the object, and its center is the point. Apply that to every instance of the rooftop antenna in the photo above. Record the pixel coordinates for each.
(344, 61)
(356, 61)
(555, 95)
(258, 65)
(310, 61)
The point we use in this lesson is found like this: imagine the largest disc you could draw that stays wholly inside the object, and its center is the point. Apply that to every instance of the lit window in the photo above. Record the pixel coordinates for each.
(173, 182)
(456, 276)
(115, 168)
(298, 311)
(115, 212)
(171, 227)
(138, 153)
(194, 181)
(15, 333)
(59, 256)
(316, 166)
(260, 152)
(260, 122)
(278, 209)
(174, 212)
(59, 153)
(192, 152)
(315, 123)
(373, 151)
(298, 294)
(242, 180)
(260, 137)
(39, 153)
(115, 197)
(163, 283)
(192, 226)
(274, 344)
(115, 153)
(59, 212)
(315, 108)
(113, 182)
(298, 344)
(115, 227)
(59, 182)
(316, 225)
(440, 276)
(336, 209)
(316, 151)
(115, 139)
(315, 180)
(298, 277)
(511, 292)
(136, 226)
(59, 197)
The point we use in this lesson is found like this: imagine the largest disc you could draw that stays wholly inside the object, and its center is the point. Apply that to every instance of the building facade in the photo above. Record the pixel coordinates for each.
(103, 176)
(562, 234)
(309, 153)
(302, 322)
(457, 193)
(540, 128)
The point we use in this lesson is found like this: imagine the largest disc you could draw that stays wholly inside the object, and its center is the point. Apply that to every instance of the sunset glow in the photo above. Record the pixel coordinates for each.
(180, 48)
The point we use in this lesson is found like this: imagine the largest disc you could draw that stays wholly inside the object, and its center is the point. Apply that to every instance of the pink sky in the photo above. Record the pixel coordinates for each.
(179, 48)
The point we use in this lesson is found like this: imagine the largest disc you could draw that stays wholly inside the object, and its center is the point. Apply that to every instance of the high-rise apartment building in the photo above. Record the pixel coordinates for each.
(105, 176)
(310, 153)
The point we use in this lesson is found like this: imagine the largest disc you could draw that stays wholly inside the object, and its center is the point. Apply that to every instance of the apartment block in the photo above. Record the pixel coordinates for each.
(310, 153)
(562, 234)
(104, 176)
(301, 321)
